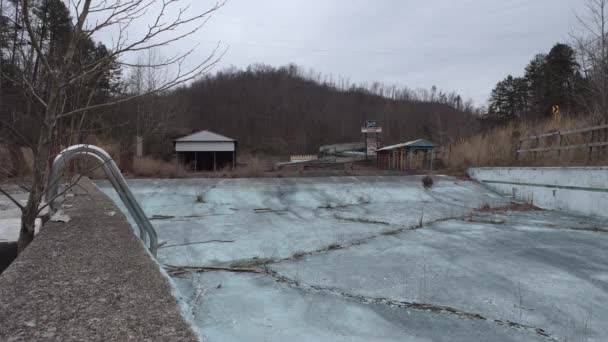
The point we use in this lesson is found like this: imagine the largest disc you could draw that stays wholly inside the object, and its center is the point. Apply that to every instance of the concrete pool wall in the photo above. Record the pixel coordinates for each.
(579, 190)
(89, 279)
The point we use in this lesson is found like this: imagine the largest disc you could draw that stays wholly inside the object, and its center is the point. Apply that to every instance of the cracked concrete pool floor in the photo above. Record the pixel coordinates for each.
(375, 258)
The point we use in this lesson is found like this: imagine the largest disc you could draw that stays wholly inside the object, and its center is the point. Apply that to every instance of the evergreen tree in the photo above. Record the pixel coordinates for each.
(509, 99)
(551, 79)
(561, 79)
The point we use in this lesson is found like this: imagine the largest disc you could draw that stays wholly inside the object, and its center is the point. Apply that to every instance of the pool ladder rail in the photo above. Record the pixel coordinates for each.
(116, 179)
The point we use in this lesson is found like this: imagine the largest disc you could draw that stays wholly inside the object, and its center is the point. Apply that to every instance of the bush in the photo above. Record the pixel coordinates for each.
(427, 182)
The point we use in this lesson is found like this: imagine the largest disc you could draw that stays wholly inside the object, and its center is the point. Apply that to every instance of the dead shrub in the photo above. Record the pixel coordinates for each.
(155, 168)
(427, 182)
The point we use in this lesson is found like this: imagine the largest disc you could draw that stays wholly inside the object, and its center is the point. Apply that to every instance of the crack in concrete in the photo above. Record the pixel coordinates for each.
(442, 309)
(359, 220)
(255, 261)
(176, 271)
(364, 240)
(261, 266)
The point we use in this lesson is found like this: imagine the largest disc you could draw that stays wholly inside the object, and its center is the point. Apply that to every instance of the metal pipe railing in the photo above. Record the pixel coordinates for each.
(115, 178)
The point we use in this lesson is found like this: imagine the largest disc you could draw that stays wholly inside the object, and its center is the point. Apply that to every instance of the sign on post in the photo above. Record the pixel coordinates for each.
(371, 126)
(372, 145)
(371, 123)
(555, 110)
(371, 129)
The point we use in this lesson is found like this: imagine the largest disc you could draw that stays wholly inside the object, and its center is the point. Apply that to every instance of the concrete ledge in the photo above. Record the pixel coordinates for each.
(579, 190)
(90, 279)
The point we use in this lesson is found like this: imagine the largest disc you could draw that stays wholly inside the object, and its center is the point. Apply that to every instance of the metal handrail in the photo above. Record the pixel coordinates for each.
(115, 178)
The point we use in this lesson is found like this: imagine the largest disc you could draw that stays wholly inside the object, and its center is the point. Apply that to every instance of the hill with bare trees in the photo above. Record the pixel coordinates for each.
(284, 110)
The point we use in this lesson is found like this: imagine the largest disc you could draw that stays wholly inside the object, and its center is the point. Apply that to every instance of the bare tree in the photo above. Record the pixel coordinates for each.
(172, 21)
(592, 46)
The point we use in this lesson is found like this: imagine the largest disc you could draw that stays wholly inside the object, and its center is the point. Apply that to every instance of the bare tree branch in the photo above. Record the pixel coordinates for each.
(12, 199)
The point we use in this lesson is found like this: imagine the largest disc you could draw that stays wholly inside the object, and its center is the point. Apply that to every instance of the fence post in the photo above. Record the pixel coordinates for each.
(589, 155)
(559, 145)
(603, 149)
(536, 145)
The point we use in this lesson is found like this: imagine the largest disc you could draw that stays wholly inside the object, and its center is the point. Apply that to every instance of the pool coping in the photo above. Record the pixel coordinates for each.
(89, 279)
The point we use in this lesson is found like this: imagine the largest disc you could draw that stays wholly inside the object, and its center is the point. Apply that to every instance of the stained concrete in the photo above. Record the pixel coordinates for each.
(533, 268)
(90, 279)
(579, 190)
(377, 258)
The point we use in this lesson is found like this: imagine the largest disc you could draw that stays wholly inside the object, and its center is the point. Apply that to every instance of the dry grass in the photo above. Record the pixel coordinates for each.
(250, 166)
(513, 206)
(154, 168)
(497, 147)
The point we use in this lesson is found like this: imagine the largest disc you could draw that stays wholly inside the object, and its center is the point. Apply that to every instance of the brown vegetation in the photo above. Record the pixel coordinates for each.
(513, 206)
(497, 146)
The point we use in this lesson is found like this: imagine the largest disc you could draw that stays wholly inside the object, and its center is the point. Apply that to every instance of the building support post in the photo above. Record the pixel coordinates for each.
(214, 163)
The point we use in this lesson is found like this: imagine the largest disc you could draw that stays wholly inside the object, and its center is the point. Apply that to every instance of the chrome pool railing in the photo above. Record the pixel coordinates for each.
(115, 178)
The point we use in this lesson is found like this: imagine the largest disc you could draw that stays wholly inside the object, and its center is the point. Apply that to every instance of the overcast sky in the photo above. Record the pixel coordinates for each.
(465, 46)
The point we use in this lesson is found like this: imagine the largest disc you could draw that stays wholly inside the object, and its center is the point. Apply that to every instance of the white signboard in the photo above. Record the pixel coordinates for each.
(371, 129)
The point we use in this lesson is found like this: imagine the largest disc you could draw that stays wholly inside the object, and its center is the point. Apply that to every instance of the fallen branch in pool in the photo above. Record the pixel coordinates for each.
(196, 243)
(161, 217)
(173, 270)
(268, 210)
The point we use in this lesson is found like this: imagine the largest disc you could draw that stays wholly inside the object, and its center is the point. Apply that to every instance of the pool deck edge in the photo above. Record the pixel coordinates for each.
(90, 279)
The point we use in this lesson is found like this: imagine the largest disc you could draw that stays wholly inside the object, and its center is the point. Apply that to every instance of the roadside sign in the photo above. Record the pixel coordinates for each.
(371, 129)
(371, 123)
(555, 109)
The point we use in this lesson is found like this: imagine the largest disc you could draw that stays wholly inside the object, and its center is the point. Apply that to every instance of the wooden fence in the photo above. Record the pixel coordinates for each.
(594, 137)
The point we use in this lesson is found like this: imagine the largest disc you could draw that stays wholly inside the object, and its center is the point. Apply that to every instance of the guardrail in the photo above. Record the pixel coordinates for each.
(562, 144)
(116, 179)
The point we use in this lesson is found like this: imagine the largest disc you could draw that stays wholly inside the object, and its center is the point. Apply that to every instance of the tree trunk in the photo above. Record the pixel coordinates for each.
(41, 156)
(28, 216)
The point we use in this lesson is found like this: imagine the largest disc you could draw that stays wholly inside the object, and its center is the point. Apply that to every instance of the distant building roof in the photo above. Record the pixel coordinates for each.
(420, 143)
(204, 136)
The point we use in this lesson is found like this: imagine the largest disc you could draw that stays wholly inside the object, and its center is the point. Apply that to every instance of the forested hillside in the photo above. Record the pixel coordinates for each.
(282, 110)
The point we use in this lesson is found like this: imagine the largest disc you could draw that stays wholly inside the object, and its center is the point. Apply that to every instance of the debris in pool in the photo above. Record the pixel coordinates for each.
(193, 243)
(161, 217)
(268, 210)
(60, 216)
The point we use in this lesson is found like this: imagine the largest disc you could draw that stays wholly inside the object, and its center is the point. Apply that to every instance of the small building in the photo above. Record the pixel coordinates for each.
(411, 155)
(206, 150)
